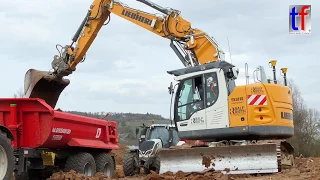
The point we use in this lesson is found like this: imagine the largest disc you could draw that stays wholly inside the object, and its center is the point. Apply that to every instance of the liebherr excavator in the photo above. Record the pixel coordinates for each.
(208, 106)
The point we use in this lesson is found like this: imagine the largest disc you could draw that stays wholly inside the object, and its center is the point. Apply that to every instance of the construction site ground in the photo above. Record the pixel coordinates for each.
(305, 168)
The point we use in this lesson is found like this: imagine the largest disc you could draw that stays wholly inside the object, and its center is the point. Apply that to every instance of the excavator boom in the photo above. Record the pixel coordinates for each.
(192, 46)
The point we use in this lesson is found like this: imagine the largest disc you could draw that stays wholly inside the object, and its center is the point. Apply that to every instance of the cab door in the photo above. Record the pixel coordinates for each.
(216, 100)
(189, 105)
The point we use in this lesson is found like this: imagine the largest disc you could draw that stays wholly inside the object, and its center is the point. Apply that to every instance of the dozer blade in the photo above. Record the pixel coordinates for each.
(243, 159)
(44, 85)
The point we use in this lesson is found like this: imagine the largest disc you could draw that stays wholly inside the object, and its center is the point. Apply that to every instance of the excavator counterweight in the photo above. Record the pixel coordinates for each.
(44, 85)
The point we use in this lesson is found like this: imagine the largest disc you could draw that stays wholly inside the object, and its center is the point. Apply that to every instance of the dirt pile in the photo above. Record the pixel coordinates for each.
(72, 175)
(304, 169)
(119, 154)
(210, 174)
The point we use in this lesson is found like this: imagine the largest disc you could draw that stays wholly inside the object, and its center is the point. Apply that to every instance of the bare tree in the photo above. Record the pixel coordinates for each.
(306, 120)
(19, 94)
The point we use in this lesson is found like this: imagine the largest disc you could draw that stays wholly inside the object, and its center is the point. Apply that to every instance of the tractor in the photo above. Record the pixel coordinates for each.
(152, 139)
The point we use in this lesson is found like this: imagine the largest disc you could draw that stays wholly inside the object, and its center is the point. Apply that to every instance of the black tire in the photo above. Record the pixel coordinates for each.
(22, 176)
(130, 164)
(105, 164)
(78, 162)
(5, 146)
(32, 174)
(152, 164)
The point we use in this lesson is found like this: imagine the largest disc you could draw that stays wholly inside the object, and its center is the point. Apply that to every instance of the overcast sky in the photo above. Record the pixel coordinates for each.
(125, 68)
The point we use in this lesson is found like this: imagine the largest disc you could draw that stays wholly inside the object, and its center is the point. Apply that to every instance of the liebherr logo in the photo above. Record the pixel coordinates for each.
(286, 115)
(136, 17)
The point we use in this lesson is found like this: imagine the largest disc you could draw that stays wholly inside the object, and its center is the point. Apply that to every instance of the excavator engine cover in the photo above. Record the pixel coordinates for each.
(44, 85)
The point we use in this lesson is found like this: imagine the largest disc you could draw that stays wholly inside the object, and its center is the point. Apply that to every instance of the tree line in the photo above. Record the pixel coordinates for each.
(116, 116)
(306, 139)
(126, 130)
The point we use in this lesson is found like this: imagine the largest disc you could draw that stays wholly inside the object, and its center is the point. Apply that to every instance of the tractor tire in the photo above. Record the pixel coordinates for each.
(105, 164)
(130, 164)
(6, 157)
(82, 163)
(30, 175)
(153, 164)
(22, 176)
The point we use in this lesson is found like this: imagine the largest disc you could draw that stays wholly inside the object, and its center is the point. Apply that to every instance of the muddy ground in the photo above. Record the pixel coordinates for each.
(305, 168)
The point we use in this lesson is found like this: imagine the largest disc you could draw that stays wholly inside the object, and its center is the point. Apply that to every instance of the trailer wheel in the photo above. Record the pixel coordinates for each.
(82, 163)
(6, 157)
(131, 164)
(105, 164)
(22, 176)
(30, 175)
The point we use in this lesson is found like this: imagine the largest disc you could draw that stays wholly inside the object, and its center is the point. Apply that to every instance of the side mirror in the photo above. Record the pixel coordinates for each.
(170, 89)
(235, 72)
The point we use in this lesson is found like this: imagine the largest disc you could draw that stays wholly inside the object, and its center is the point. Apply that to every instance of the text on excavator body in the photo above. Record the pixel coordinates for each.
(136, 17)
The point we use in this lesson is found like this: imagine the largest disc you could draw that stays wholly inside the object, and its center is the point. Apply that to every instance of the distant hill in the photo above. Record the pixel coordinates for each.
(121, 116)
(127, 122)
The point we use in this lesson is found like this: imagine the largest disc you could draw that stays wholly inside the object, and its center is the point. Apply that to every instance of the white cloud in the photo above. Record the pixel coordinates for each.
(142, 87)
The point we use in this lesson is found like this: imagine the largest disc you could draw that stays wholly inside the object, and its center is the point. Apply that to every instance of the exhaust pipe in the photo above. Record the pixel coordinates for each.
(44, 85)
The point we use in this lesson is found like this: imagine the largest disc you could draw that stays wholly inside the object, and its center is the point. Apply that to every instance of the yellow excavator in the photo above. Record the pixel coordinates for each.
(235, 121)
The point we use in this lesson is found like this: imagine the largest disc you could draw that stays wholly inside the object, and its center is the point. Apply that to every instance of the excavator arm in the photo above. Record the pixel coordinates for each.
(193, 43)
(192, 46)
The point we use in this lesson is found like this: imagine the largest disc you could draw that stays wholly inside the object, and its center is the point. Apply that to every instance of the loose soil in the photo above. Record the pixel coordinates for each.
(119, 154)
(304, 169)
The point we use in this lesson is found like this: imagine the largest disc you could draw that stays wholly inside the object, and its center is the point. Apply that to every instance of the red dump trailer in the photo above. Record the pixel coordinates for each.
(36, 140)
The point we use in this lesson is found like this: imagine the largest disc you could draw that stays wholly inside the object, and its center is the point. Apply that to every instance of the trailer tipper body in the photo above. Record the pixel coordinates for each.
(42, 138)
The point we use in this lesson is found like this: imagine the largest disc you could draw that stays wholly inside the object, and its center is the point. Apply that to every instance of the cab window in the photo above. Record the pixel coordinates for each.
(160, 133)
(191, 98)
(212, 88)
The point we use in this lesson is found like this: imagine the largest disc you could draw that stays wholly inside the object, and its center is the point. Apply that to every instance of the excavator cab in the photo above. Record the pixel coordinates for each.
(202, 94)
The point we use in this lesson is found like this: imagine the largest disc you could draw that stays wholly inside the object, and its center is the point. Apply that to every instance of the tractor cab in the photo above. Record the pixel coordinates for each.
(166, 134)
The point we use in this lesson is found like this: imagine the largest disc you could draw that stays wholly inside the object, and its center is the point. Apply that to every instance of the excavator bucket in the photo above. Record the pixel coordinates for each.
(44, 85)
(242, 159)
